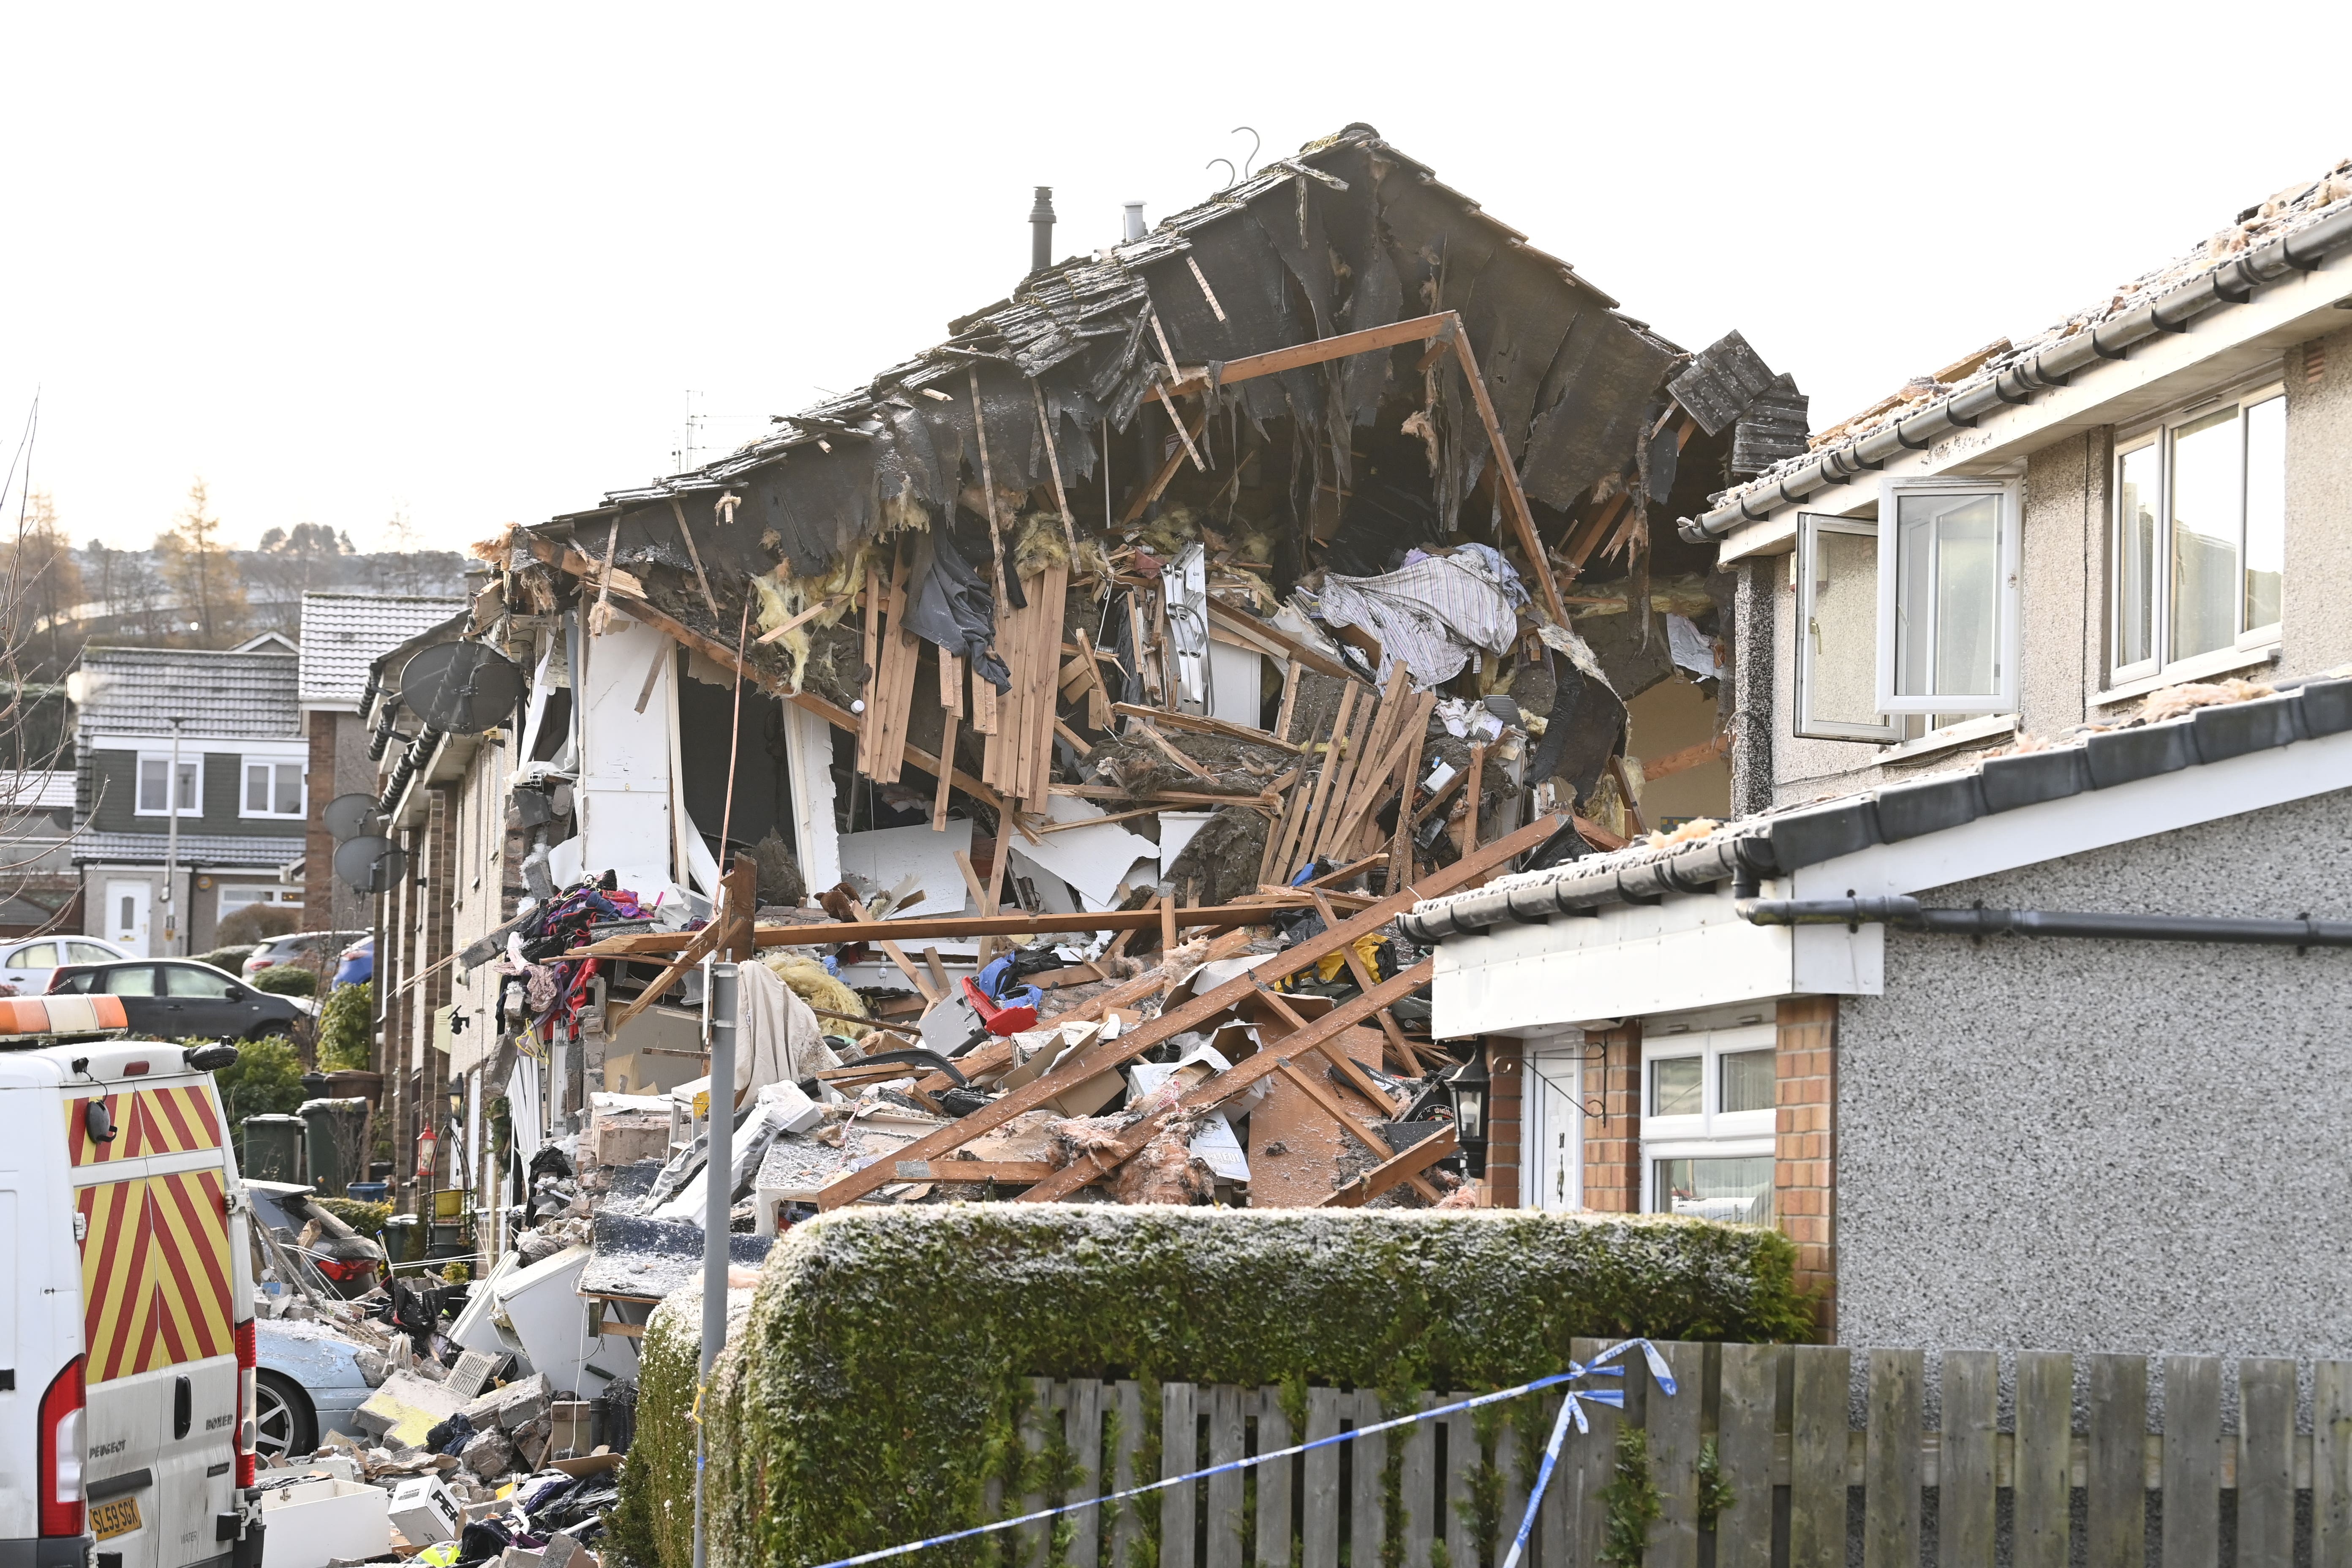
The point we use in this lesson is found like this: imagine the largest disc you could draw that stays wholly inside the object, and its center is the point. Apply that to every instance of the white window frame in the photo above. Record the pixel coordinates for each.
(1713, 1133)
(2002, 699)
(2158, 434)
(245, 786)
(1811, 525)
(190, 763)
(253, 893)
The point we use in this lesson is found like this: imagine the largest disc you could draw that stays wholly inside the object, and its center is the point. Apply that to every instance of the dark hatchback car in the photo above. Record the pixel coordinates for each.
(179, 999)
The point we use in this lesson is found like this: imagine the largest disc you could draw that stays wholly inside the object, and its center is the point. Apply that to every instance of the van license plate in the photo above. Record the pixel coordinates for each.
(115, 1516)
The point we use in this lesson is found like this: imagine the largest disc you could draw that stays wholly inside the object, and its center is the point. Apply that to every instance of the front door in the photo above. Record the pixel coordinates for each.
(126, 915)
(1553, 1169)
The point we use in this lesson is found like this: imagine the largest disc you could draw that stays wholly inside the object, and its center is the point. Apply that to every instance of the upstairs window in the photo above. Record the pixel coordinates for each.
(1913, 613)
(272, 788)
(154, 796)
(2198, 556)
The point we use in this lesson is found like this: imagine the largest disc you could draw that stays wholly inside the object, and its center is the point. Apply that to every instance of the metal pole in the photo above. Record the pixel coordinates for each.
(172, 847)
(720, 1195)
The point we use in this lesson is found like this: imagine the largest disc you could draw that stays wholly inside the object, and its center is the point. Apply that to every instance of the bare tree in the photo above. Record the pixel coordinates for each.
(39, 584)
(211, 597)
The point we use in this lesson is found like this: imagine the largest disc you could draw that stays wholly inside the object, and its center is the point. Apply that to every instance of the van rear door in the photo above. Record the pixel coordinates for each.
(160, 1284)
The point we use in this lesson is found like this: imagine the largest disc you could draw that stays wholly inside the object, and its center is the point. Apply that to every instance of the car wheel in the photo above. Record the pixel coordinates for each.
(284, 1422)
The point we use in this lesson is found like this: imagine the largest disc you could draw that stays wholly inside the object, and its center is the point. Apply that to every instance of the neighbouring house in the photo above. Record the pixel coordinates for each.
(39, 891)
(343, 633)
(2016, 993)
(1336, 456)
(209, 742)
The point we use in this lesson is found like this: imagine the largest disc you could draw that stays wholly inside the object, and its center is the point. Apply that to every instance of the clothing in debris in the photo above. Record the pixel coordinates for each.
(779, 1040)
(1434, 613)
(948, 605)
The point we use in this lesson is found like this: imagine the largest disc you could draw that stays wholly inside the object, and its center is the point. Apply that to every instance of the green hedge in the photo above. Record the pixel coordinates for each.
(287, 980)
(877, 1386)
(653, 1522)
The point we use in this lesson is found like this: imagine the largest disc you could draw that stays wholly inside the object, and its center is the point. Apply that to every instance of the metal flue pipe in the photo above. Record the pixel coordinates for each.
(1041, 231)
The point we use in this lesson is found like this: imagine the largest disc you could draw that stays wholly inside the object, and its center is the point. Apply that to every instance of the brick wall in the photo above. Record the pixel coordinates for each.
(1804, 1158)
(1506, 1113)
(318, 844)
(1612, 1141)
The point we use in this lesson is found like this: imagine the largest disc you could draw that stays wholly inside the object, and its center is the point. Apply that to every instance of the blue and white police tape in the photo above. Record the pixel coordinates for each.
(1571, 1406)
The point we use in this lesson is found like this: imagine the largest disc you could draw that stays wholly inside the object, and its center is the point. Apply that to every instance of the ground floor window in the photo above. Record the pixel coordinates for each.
(239, 896)
(1707, 1123)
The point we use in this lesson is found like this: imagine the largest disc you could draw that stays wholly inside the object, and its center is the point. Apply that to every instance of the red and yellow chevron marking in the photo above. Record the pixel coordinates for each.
(171, 1120)
(86, 1151)
(177, 1121)
(156, 1273)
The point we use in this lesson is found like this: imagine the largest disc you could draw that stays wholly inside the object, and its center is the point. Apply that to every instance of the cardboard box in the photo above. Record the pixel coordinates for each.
(425, 1510)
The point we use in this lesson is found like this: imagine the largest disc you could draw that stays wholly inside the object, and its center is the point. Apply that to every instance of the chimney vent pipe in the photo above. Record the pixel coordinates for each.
(1041, 231)
(1133, 229)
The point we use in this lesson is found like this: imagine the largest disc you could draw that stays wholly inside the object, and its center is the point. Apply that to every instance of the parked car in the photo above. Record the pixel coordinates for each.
(357, 966)
(179, 999)
(338, 1260)
(297, 947)
(309, 1384)
(28, 966)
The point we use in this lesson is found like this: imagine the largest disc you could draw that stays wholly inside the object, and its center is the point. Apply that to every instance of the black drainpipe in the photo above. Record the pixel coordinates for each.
(1906, 914)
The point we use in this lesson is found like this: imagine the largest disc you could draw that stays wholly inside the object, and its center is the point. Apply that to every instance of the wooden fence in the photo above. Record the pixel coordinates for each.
(1795, 1482)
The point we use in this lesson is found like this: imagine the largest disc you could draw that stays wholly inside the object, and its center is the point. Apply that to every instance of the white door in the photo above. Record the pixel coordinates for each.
(125, 918)
(1553, 1166)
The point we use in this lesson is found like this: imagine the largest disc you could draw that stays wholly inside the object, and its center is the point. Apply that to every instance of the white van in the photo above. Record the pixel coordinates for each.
(126, 1313)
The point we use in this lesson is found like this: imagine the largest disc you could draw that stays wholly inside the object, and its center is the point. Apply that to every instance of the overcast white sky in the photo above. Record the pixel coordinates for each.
(466, 263)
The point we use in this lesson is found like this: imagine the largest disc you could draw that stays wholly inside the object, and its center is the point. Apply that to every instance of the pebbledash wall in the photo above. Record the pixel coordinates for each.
(2131, 1146)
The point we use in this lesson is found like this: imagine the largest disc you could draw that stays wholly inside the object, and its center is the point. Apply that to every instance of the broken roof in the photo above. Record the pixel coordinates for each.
(2280, 233)
(1348, 233)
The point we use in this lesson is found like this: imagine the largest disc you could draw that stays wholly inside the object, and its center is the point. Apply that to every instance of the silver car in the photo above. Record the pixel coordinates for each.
(309, 1384)
(29, 964)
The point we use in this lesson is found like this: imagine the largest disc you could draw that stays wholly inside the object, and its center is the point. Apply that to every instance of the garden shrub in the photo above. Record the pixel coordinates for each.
(287, 980)
(883, 1363)
(347, 1028)
(265, 1080)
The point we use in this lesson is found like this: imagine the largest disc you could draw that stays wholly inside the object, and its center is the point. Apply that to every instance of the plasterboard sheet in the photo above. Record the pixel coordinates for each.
(1177, 829)
(886, 855)
(1092, 861)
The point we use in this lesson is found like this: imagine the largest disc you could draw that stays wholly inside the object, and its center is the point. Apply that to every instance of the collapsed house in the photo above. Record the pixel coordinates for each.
(1199, 604)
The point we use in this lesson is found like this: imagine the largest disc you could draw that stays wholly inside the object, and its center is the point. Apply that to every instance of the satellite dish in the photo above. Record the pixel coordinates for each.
(348, 815)
(463, 688)
(371, 863)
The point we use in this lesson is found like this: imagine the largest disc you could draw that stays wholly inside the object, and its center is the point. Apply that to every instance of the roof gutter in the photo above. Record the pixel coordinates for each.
(2232, 284)
(1907, 914)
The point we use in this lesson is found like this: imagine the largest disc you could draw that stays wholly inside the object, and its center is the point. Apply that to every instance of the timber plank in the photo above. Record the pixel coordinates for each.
(2044, 1465)
(2114, 1528)
(2331, 1465)
(1890, 1515)
(1273, 1481)
(2265, 1463)
(1180, 1451)
(1748, 1417)
(1817, 1456)
(1964, 1515)
(1461, 1474)
(1319, 1524)
(1418, 1480)
(1674, 1427)
(1126, 1527)
(1368, 1517)
(2192, 1460)
(1083, 1399)
(1227, 1433)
